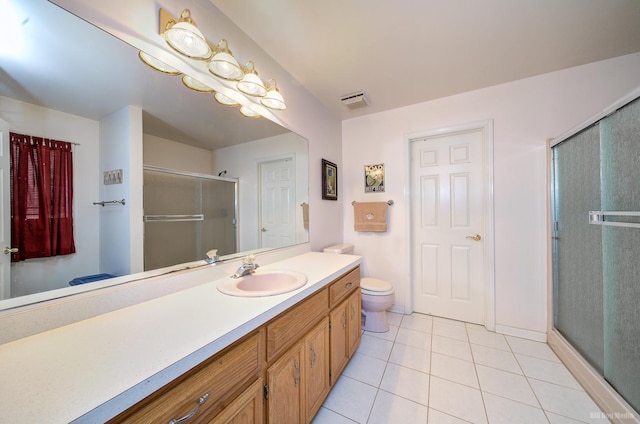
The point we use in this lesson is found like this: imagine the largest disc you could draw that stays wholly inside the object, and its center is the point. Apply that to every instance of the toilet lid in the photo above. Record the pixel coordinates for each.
(376, 286)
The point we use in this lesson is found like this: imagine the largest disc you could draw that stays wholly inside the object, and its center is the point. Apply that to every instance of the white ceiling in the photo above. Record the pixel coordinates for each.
(402, 52)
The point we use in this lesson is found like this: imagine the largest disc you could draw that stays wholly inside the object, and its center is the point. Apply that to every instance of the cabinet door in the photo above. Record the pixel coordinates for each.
(354, 309)
(285, 394)
(245, 409)
(316, 367)
(338, 336)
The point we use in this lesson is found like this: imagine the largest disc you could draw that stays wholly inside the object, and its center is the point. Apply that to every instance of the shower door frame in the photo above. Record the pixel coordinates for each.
(207, 177)
(604, 395)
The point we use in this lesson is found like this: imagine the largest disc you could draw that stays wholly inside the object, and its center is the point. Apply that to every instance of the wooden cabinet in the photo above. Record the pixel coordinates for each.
(345, 320)
(315, 375)
(292, 324)
(247, 408)
(338, 340)
(285, 396)
(204, 390)
(354, 322)
(281, 373)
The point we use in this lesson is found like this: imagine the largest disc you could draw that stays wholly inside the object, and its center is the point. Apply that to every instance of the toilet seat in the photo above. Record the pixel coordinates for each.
(376, 287)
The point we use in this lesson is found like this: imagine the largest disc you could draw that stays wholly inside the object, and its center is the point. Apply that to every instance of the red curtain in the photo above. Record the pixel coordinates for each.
(41, 197)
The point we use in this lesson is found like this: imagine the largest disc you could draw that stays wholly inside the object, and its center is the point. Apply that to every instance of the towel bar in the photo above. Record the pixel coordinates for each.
(110, 202)
(389, 202)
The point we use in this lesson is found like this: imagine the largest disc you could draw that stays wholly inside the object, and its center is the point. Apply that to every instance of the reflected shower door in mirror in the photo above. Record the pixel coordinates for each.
(186, 215)
(112, 104)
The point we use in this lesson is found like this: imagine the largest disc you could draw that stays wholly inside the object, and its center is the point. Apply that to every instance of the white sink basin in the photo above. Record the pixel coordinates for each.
(263, 283)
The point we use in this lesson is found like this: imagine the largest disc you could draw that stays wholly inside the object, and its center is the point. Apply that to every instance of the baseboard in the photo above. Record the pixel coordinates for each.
(522, 333)
(615, 408)
(397, 309)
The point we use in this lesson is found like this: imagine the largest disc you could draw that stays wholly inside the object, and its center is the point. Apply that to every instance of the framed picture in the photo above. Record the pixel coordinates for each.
(329, 180)
(374, 178)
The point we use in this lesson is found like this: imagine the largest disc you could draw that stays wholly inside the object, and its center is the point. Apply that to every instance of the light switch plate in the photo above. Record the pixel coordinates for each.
(113, 177)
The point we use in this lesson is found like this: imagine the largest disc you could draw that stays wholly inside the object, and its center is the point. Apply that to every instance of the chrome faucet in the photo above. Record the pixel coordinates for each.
(248, 267)
(212, 257)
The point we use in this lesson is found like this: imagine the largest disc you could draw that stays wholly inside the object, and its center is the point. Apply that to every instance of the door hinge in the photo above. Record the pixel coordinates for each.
(266, 391)
(329, 325)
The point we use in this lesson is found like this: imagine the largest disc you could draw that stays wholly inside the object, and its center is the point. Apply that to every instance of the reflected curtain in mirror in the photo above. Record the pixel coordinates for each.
(41, 197)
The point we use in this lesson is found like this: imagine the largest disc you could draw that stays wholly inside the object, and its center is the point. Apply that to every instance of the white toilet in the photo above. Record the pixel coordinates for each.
(377, 296)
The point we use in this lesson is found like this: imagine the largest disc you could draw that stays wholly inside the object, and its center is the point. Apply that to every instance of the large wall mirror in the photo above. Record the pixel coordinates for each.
(63, 78)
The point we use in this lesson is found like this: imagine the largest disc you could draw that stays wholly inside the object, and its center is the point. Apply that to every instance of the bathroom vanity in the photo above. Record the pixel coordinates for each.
(195, 353)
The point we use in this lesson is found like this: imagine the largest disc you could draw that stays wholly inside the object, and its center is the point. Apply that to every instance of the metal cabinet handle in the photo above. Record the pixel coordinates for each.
(193, 412)
(344, 319)
(313, 355)
(348, 285)
(8, 250)
(475, 237)
(353, 311)
(296, 365)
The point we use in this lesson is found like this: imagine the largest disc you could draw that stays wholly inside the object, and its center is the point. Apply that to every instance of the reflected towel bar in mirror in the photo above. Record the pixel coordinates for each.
(389, 202)
(110, 202)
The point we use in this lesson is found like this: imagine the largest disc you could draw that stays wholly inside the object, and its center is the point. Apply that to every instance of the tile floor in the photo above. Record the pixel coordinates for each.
(433, 370)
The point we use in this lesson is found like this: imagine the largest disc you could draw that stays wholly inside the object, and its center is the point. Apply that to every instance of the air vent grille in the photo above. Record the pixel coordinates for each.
(354, 100)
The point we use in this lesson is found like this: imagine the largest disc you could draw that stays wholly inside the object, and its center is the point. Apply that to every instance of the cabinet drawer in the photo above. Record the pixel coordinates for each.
(294, 322)
(344, 285)
(220, 376)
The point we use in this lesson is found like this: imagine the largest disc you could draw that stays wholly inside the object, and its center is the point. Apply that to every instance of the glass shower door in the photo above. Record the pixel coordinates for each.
(185, 216)
(620, 169)
(596, 257)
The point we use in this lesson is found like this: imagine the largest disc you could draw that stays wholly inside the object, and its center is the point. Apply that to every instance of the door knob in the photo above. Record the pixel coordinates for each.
(8, 250)
(264, 230)
(475, 237)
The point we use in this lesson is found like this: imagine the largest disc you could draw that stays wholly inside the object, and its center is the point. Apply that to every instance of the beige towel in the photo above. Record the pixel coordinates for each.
(370, 216)
(305, 215)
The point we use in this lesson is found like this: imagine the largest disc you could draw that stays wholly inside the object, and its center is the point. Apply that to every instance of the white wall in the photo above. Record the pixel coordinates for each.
(241, 161)
(121, 228)
(525, 114)
(36, 275)
(170, 154)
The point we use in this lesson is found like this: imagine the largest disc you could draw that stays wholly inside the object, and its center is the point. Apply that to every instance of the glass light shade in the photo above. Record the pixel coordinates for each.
(223, 64)
(249, 113)
(157, 65)
(186, 39)
(251, 83)
(225, 100)
(196, 85)
(273, 99)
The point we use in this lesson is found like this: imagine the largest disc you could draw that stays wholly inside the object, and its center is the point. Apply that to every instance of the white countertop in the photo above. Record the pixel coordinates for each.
(91, 370)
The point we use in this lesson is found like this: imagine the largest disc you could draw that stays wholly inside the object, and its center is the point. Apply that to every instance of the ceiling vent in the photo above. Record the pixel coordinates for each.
(354, 101)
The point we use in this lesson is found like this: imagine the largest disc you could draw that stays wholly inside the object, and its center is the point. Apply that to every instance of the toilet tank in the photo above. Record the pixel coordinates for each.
(339, 248)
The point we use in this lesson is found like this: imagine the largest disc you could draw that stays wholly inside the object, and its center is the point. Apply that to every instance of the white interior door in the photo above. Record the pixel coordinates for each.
(447, 192)
(5, 213)
(277, 198)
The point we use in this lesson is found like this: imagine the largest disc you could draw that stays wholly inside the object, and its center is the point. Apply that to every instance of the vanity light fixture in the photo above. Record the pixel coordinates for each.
(196, 85)
(157, 65)
(248, 112)
(273, 99)
(184, 37)
(223, 64)
(225, 100)
(251, 83)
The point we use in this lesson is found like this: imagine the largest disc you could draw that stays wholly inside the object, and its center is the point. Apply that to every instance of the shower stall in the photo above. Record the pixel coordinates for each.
(186, 215)
(595, 201)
